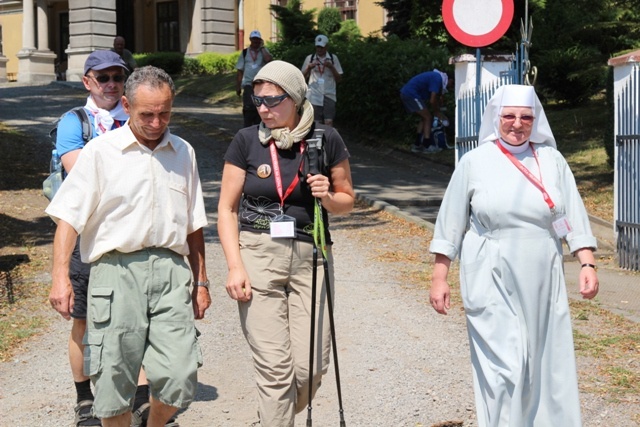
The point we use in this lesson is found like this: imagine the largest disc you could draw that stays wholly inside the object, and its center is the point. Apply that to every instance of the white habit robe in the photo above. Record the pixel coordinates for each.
(512, 283)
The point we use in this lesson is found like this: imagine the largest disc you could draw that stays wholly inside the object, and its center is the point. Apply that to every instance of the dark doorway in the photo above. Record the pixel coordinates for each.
(168, 27)
(124, 23)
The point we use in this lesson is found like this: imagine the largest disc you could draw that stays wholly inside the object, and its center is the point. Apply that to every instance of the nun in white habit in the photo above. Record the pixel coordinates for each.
(508, 207)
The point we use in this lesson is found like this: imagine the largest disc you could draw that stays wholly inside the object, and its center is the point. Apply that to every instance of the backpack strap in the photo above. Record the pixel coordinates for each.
(244, 53)
(87, 131)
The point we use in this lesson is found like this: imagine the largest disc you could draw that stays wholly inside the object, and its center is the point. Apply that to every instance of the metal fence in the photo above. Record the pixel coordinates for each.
(467, 107)
(627, 188)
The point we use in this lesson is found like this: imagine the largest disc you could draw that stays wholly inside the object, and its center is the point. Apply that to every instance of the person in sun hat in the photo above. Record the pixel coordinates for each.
(510, 205)
(266, 192)
(323, 70)
(250, 61)
(423, 95)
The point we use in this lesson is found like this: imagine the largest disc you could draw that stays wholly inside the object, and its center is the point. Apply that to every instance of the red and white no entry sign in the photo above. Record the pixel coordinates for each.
(477, 23)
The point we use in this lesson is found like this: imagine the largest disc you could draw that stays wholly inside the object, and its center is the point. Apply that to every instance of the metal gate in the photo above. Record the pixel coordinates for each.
(468, 117)
(627, 187)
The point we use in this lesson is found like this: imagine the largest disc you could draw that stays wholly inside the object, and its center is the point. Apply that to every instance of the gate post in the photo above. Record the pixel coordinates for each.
(626, 188)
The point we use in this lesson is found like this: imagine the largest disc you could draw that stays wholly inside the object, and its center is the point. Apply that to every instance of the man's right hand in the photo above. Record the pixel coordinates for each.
(239, 91)
(61, 296)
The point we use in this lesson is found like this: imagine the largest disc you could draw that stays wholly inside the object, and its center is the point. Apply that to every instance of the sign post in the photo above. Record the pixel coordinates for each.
(477, 23)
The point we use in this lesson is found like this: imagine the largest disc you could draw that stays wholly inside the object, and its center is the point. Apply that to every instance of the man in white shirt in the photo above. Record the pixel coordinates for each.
(323, 71)
(135, 195)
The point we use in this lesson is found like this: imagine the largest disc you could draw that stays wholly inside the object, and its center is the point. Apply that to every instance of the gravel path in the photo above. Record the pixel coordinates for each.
(401, 364)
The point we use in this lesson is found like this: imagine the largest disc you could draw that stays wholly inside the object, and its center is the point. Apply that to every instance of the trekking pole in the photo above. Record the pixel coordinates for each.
(312, 158)
(314, 279)
(327, 281)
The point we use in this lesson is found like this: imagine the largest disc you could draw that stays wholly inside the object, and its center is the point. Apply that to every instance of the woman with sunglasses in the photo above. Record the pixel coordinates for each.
(267, 191)
(510, 204)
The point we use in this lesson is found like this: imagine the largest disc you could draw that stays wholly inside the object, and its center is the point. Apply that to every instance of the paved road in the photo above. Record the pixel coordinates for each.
(408, 185)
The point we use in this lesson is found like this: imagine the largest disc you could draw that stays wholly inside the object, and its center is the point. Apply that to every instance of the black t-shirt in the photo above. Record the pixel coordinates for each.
(260, 201)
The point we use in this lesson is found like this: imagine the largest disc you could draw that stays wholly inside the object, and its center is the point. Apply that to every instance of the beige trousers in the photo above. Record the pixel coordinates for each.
(276, 323)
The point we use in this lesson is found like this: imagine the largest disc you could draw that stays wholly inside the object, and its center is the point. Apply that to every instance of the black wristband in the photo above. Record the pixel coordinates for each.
(590, 265)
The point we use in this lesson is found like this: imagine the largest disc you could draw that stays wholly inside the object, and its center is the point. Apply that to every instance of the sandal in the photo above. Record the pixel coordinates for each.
(139, 417)
(84, 414)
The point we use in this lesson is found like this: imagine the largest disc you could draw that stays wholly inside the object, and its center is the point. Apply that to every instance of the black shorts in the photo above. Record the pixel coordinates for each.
(79, 276)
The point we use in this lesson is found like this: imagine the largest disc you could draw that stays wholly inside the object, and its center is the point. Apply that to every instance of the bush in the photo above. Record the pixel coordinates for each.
(171, 62)
(571, 75)
(215, 63)
(176, 63)
(374, 72)
(192, 67)
(329, 20)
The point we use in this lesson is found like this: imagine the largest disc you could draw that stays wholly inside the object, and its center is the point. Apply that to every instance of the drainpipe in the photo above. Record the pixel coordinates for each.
(240, 24)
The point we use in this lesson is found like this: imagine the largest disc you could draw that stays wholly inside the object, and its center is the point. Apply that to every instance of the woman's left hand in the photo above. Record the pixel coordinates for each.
(319, 185)
(589, 283)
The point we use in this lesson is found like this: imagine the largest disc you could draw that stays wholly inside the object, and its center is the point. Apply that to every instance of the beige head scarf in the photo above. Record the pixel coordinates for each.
(515, 96)
(291, 80)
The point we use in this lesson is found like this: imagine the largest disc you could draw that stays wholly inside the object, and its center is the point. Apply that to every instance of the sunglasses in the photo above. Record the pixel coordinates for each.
(104, 78)
(525, 120)
(268, 101)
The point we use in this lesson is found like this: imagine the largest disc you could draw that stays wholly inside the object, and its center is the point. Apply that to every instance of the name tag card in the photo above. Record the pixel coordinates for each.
(283, 227)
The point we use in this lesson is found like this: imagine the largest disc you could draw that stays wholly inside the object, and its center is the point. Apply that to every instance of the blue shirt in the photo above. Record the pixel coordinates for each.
(423, 85)
(69, 136)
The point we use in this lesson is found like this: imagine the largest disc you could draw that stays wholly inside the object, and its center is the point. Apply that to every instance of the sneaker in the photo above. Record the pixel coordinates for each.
(417, 149)
(432, 149)
(84, 414)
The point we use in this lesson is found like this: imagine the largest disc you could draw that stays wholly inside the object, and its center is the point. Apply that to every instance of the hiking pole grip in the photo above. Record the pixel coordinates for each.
(313, 150)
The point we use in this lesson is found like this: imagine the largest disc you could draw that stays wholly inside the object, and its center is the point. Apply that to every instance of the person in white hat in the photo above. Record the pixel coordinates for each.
(322, 70)
(509, 206)
(250, 61)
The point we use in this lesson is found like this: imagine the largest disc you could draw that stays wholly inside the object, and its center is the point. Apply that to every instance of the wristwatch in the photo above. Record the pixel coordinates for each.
(204, 284)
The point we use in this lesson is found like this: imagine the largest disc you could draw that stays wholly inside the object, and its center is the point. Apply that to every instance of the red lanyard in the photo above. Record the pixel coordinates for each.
(321, 65)
(254, 55)
(276, 172)
(527, 173)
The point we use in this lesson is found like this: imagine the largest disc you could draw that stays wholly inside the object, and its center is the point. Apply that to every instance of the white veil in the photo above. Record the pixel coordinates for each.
(515, 96)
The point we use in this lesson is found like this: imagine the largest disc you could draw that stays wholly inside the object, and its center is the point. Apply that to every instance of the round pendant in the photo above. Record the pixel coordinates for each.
(264, 171)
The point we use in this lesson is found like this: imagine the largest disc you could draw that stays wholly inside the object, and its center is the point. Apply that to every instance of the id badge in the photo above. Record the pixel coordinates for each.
(320, 81)
(561, 226)
(254, 66)
(283, 227)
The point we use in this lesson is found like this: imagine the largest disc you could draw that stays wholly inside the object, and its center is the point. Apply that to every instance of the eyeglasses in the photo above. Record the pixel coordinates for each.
(268, 101)
(525, 120)
(104, 78)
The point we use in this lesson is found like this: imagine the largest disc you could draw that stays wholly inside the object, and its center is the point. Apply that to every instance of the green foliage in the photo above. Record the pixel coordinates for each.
(176, 63)
(214, 63)
(349, 30)
(329, 20)
(171, 62)
(369, 98)
(192, 67)
(297, 26)
(374, 72)
(417, 19)
(572, 74)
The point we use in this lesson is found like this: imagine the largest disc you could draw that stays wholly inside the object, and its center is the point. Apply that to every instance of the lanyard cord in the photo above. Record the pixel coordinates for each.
(537, 182)
(278, 177)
